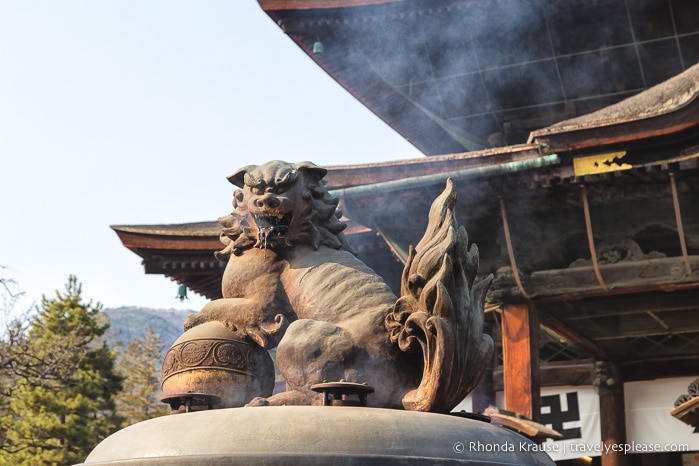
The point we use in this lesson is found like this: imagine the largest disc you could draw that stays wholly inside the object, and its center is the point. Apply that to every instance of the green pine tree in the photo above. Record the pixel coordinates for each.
(140, 364)
(61, 402)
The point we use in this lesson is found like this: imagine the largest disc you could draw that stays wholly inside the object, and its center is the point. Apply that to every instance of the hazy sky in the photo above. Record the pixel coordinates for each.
(134, 112)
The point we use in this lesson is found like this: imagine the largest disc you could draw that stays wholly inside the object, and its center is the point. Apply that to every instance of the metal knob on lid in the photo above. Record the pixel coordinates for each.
(343, 393)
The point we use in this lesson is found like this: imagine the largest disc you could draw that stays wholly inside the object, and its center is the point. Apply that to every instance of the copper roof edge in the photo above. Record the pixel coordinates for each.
(460, 156)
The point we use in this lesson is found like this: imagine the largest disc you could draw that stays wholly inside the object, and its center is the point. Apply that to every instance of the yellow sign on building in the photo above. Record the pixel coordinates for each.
(600, 163)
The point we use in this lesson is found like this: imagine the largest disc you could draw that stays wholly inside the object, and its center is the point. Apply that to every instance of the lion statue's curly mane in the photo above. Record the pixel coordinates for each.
(319, 224)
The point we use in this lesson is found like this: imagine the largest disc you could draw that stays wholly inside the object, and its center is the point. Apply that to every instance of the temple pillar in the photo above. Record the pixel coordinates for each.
(520, 354)
(612, 413)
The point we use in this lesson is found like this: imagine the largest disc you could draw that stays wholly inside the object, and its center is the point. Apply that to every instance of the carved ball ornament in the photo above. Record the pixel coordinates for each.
(211, 360)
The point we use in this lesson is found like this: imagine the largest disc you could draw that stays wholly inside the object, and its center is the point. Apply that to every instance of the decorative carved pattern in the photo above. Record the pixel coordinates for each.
(208, 354)
(612, 252)
(605, 374)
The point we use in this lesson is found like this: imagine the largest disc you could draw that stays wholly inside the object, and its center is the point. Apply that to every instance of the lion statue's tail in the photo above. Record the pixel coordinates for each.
(440, 311)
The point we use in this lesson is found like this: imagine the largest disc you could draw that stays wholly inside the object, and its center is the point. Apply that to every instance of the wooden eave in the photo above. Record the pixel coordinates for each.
(184, 253)
(344, 24)
(185, 237)
(381, 97)
(666, 110)
(340, 177)
(274, 5)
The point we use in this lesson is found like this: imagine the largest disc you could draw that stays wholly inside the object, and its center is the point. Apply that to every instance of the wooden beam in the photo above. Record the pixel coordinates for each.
(580, 342)
(630, 305)
(663, 274)
(646, 369)
(554, 374)
(580, 373)
(520, 348)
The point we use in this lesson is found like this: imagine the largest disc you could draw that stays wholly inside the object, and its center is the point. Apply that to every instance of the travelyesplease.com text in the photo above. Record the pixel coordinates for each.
(592, 449)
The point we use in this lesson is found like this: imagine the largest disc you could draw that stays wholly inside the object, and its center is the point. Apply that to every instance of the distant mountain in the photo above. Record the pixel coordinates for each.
(131, 322)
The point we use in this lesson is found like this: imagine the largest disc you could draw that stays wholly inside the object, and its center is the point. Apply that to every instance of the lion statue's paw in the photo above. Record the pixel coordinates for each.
(257, 401)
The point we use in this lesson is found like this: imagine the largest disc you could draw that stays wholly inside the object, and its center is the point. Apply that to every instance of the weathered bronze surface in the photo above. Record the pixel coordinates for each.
(292, 281)
(316, 435)
(211, 367)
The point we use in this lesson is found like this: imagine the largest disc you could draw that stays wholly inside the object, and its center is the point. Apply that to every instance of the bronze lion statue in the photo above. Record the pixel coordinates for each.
(293, 282)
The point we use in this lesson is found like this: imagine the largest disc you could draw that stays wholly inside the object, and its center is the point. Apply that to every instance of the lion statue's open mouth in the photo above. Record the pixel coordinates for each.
(272, 228)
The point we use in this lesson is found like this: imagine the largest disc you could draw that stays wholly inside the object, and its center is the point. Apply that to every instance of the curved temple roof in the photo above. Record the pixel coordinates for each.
(463, 75)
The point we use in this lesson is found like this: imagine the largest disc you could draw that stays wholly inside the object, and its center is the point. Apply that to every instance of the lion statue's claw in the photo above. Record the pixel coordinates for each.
(257, 401)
